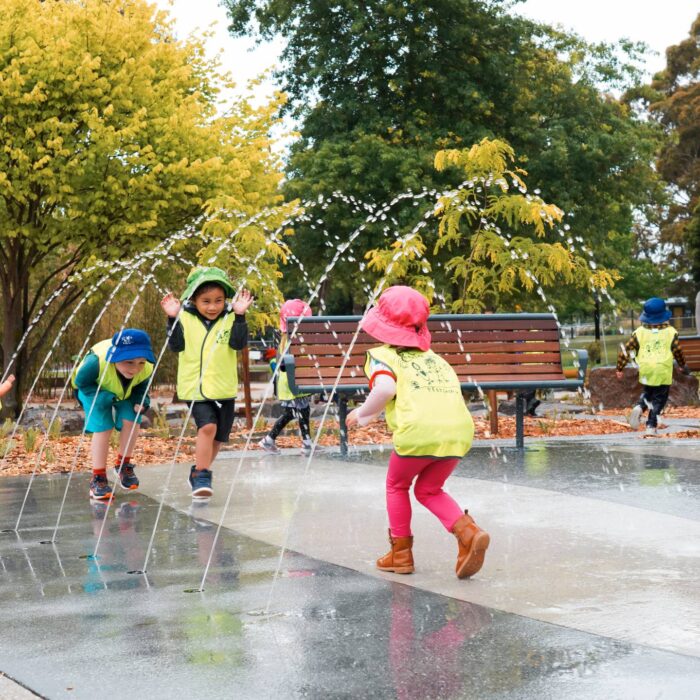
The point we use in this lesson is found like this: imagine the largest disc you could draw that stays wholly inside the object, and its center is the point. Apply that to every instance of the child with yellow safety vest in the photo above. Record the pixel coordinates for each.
(294, 405)
(207, 333)
(654, 345)
(111, 384)
(431, 425)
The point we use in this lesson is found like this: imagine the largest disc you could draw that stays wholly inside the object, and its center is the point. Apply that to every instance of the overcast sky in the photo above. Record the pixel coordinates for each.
(659, 24)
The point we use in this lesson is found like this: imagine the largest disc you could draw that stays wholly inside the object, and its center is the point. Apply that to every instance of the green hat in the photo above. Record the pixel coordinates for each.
(204, 275)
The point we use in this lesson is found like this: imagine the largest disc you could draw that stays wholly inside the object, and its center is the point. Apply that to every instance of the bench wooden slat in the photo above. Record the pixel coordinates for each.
(493, 322)
(345, 339)
(454, 359)
(691, 351)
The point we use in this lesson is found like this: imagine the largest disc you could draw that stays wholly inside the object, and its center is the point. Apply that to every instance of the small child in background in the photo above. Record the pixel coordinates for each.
(295, 405)
(431, 425)
(655, 345)
(207, 336)
(111, 384)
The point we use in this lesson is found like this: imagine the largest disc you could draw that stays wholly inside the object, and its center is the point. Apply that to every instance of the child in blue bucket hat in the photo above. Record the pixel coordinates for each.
(112, 386)
(654, 345)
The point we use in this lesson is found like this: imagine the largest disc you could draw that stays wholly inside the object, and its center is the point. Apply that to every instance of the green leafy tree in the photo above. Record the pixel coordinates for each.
(496, 233)
(110, 141)
(380, 87)
(675, 102)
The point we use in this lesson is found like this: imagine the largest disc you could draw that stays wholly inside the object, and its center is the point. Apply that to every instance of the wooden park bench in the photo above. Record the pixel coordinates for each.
(690, 344)
(489, 352)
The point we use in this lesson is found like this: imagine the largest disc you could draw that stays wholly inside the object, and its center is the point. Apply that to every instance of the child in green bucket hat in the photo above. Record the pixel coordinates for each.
(207, 332)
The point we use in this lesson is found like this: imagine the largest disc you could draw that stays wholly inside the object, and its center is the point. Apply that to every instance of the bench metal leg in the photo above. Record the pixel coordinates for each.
(493, 411)
(520, 421)
(342, 416)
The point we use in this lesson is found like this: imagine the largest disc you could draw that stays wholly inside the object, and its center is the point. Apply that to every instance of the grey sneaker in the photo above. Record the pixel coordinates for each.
(306, 447)
(268, 444)
(650, 430)
(635, 416)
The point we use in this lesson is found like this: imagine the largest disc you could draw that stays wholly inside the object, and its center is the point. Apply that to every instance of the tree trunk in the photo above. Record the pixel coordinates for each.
(596, 316)
(14, 292)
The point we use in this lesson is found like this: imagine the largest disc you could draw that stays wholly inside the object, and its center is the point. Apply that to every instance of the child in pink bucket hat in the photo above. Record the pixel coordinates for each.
(294, 405)
(431, 426)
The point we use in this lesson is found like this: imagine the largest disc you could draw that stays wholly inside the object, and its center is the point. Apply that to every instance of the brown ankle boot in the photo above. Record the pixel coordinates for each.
(400, 558)
(473, 543)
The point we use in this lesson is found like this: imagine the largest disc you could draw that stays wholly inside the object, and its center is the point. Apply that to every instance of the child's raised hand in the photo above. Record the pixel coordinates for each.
(171, 305)
(242, 301)
(7, 384)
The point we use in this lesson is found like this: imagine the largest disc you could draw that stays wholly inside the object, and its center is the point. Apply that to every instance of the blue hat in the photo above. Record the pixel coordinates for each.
(128, 344)
(655, 312)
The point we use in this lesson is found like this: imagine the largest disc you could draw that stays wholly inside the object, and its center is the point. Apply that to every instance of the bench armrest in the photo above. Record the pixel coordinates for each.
(290, 368)
(582, 363)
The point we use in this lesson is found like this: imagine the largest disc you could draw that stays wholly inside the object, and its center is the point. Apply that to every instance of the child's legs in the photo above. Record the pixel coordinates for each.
(281, 422)
(129, 425)
(204, 446)
(399, 477)
(645, 398)
(127, 437)
(214, 420)
(428, 491)
(658, 397)
(304, 416)
(99, 449)
(99, 420)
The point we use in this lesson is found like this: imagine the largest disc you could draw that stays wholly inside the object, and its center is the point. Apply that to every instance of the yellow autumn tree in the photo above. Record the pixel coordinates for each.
(498, 233)
(113, 137)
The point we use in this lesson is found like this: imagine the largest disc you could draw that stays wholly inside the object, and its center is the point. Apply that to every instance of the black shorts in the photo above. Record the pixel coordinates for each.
(219, 413)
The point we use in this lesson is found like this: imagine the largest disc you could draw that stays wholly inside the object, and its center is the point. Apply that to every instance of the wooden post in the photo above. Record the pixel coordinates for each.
(493, 411)
(245, 362)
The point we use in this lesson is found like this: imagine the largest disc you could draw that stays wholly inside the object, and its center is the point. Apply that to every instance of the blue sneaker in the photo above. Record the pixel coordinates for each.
(100, 490)
(126, 477)
(200, 481)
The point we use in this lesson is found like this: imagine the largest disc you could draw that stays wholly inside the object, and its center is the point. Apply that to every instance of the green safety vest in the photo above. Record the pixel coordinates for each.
(207, 367)
(428, 416)
(655, 357)
(284, 393)
(108, 376)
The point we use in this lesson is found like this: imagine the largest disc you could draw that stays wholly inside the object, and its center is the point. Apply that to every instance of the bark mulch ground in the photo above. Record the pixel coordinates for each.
(60, 454)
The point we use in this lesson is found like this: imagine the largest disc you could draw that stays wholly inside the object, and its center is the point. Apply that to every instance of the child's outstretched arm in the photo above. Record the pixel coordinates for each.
(624, 355)
(7, 384)
(239, 333)
(139, 396)
(171, 306)
(383, 391)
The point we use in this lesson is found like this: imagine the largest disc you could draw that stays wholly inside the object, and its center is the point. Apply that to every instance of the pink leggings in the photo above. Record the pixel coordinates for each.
(432, 474)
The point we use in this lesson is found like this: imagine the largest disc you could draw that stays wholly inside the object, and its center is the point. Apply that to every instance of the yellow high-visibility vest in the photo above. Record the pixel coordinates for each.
(428, 416)
(207, 367)
(655, 357)
(284, 393)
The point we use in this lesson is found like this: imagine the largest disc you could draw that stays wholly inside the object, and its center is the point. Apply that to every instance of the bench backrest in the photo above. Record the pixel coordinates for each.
(690, 344)
(489, 351)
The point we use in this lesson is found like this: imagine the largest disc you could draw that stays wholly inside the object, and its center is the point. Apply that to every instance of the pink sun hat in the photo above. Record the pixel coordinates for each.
(293, 308)
(399, 318)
